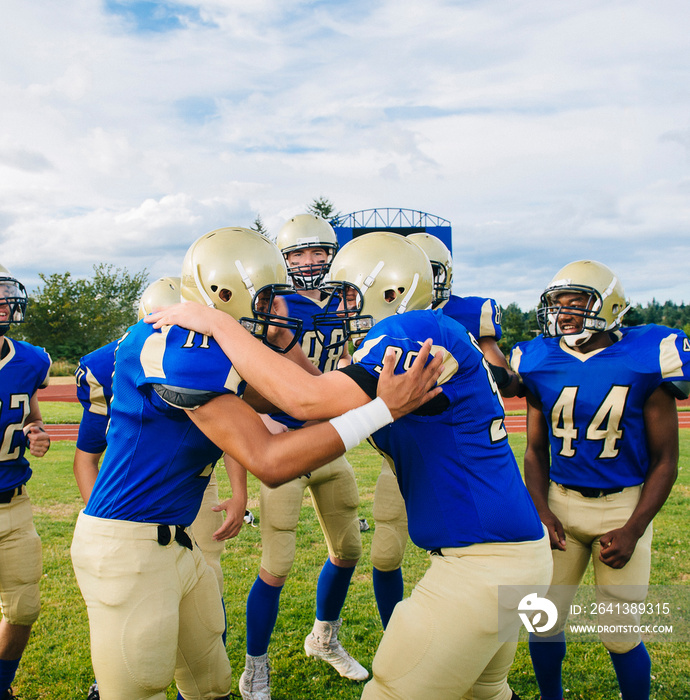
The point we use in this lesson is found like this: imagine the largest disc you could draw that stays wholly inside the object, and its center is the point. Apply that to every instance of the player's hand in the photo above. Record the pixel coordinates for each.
(234, 519)
(274, 427)
(38, 439)
(188, 314)
(405, 392)
(617, 546)
(554, 528)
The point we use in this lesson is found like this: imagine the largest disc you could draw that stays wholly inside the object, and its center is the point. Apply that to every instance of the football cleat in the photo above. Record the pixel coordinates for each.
(255, 681)
(93, 692)
(323, 643)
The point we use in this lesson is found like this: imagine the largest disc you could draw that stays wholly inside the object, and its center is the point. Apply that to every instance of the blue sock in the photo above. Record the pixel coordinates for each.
(262, 612)
(547, 659)
(388, 590)
(634, 672)
(331, 590)
(8, 670)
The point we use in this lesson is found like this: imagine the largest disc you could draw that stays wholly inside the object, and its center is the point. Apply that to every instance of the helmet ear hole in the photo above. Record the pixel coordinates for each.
(390, 295)
(224, 294)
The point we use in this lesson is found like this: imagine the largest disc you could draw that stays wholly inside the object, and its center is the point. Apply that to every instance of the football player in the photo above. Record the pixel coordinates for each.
(308, 244)
(23, 370)
(153, 603)
(451, 458)
(482, 318)
(602, 453)
(95, 390)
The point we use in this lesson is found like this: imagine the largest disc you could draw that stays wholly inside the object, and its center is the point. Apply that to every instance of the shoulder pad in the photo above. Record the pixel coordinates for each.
(679, 389)
(180, 397)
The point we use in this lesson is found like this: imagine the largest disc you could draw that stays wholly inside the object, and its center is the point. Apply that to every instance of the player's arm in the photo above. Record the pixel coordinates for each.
(274, 459)
(508, 382)
(38, 439)
(286, 385)
(345, 359)
(238, 430)
(85, 469)
(236, 505)
(537, 471)
(661, 428)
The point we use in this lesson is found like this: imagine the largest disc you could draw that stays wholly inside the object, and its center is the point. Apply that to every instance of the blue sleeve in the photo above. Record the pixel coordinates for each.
(92, 429)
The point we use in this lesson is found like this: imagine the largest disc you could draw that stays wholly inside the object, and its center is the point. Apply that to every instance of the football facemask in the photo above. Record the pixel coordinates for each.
(266, 309)
(307, 231)
(603, 308)
(13, 299)
(441, 264)
(345, 317)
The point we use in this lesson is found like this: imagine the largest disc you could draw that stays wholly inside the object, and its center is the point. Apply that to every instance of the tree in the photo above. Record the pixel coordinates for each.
(259, 227)
(323, 207)
(517, 325)
(70, 317)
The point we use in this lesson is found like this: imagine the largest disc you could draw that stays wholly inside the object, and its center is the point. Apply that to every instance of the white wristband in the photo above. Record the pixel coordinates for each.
(359, 423)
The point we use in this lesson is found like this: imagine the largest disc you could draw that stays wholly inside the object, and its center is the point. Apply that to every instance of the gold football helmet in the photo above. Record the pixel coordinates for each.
(379, 274)
(307, 231)
(13, 297)
(160, 294)
(240, 272)
(441, 264)
(605, 307)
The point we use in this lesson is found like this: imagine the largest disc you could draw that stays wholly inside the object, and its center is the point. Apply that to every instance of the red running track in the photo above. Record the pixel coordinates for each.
(68, 392)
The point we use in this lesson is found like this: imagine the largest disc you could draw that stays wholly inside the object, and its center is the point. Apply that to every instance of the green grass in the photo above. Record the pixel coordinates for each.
(57, 666)
(61, 411)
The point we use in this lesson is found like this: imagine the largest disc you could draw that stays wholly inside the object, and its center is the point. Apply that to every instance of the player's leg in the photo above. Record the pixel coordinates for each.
(492, 683)
(336, 499)
(548, 650)
(620, 590)
(445, 636)
(20, 573)
(132, 589)
(279, 515)
(205, 524)
(202, 670)
(388, 542)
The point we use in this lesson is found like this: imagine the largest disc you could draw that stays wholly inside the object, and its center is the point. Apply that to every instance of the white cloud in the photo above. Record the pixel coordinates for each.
(543, 131)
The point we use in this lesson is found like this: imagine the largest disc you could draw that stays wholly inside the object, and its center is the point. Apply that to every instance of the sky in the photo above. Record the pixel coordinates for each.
(545, 132)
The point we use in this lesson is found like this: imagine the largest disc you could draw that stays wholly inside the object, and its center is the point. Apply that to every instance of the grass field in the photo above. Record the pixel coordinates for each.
(56, 665)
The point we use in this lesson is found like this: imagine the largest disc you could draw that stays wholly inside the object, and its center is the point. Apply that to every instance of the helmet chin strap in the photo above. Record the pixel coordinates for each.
(406, 299)
(200, 287)
(245, 278)
(574, 340)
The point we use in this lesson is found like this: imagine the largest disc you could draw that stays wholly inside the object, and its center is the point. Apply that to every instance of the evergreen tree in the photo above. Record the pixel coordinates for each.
(323, 207)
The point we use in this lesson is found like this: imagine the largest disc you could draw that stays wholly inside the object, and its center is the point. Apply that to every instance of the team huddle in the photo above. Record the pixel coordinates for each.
(278, 358)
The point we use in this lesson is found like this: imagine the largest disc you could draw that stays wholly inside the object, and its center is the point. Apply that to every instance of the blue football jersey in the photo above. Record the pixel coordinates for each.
(455, 468)
(158, 462)
(94, 391)
(593, 403)
(305, 307)
(23, 370)
(481, 317)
